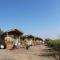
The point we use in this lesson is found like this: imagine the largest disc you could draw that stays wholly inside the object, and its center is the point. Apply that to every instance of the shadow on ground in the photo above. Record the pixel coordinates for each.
(50, 54)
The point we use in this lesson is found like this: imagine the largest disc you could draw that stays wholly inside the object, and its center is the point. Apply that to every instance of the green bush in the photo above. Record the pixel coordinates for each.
(54, 44)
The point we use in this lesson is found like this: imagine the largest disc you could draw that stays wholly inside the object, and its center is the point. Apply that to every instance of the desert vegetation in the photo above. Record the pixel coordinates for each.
(54, 45)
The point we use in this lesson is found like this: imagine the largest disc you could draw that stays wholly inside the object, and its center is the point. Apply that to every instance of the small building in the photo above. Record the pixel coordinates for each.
(11, 37)
(29, 39)
(38, 40)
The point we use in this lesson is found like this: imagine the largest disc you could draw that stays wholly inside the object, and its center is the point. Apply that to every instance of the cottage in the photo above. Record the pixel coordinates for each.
(29, 39)
(11, 37)
(38, 40)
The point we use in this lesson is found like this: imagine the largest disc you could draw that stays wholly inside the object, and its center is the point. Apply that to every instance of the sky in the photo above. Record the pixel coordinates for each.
(37, 17)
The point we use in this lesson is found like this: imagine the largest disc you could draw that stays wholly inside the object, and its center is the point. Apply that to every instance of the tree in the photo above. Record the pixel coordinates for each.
(1, 32)
(46, 40)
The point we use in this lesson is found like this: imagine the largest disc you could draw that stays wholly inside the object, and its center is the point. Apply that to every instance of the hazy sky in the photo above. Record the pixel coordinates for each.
(37, 17)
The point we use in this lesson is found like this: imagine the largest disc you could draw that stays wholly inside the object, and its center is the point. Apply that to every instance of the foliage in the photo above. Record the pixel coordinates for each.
(1, 31)
(46, 40)
(55, 45)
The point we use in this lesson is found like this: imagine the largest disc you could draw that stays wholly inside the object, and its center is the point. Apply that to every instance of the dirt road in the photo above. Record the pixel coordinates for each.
(34, 53)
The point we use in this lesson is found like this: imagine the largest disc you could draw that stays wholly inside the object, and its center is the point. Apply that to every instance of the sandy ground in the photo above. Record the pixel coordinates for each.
(34, 53)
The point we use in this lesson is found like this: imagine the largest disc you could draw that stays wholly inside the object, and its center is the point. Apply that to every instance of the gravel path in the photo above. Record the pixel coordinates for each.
(34, 53)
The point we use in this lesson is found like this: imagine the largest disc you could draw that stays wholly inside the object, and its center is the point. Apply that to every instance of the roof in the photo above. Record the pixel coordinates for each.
(37, 38)
(28, 36)
(13, 31)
